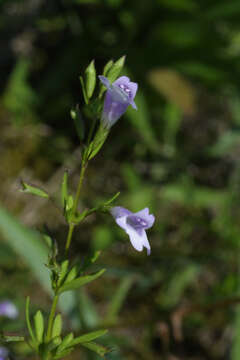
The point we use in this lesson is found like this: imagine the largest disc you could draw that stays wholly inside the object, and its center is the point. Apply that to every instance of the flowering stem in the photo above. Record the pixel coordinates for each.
(51, 318)
(75, 204)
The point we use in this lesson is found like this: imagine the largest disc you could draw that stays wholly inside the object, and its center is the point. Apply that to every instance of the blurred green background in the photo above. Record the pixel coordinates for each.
(178, 155)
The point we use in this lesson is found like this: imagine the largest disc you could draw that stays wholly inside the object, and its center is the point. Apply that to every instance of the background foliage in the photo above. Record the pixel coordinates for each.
(178, 155)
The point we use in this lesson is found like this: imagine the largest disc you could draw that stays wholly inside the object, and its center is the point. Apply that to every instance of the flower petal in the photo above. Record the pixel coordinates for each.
(119, 211)
(145, 242)
(122, 80)
(135, 238)
(149, 218)
(104, 80)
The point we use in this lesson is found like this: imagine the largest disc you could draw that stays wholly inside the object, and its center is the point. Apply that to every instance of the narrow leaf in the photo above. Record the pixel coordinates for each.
(10, 338)
(88, 337)
(57, 326)
(90, 79)
(75, 284)
(83, 90)
(33, 190)
(116, 69)
(64, 188)
(30, 330)
(39, 326)
(71, 275)
(66, 341)
(119, 297)
(63, 353)
(78, 122)
(99, 349)
(107, 67)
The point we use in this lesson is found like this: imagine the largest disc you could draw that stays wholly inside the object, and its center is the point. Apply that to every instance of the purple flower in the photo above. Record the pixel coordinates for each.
(8, 309)
(3, 353)
(135, 225)
(118, 97)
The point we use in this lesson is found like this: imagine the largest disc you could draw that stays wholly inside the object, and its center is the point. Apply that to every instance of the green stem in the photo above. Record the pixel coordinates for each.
(51, 318)
(75, 205)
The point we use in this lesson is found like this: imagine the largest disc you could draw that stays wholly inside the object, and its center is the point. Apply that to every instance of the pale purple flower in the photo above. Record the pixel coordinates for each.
(3, 353)
(8, 309)
(135, 225)
(118, 97)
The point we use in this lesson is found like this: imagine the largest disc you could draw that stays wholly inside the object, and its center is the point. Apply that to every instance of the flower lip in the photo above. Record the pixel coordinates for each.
(134, 224)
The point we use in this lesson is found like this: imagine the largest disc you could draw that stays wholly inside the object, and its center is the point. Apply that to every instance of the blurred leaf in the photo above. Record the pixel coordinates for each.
(33, 190)
(204, 72)
(99, 349)
(78, 122)
(88, 312)
(64, 188)
(141, 120)
(223, 10)
(102, 238)
(119, 298)
(10, 338)
(187, 5)
(226, 144)
(178, 284)
(28, 244)
(175, 88)
(19, 97)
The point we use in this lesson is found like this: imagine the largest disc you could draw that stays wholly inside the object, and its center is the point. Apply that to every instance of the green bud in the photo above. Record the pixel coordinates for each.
(90, 79)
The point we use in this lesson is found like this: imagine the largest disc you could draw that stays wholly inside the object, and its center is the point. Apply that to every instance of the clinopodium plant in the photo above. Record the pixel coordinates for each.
(114, 96)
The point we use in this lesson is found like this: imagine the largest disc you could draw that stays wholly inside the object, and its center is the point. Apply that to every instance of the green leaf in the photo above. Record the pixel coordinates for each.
(98, 141)
(66, 341)
(116, 68)
(29, 326)
(57, 326)
(107, 67)
(30, 246)
(63, 353)
(83, 90)
(63, 271)
(78, 122)
(99, 349)
(141, 120)
(75, 284)
(64, 188)
(33, 190)
(39, 326)
(90, 79)
(88, 337)
(10, 338)
(90, 259)
(71, 275)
